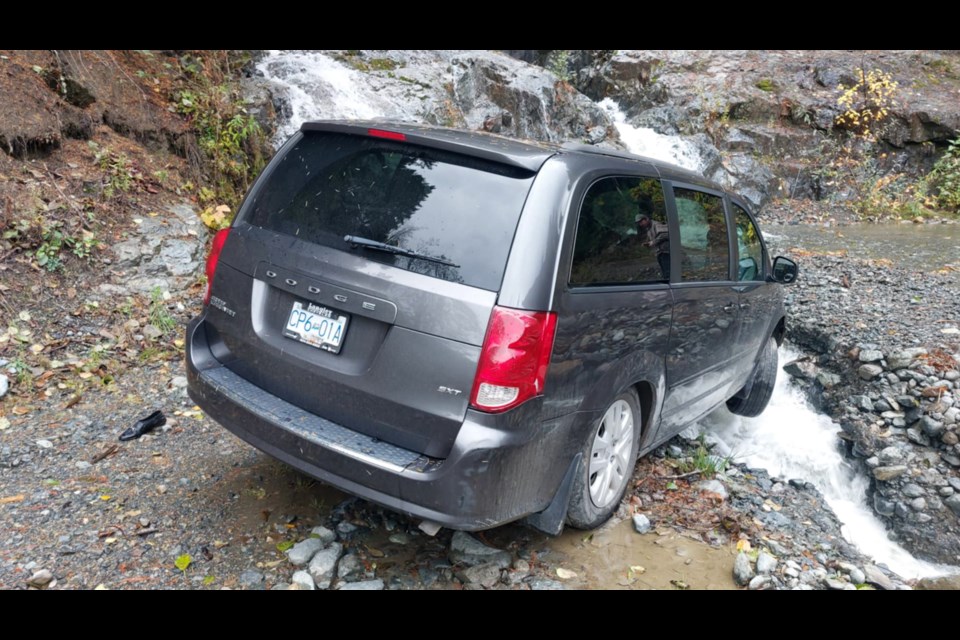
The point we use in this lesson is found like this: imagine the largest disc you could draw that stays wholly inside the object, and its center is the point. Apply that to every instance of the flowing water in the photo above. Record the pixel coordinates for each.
(318, 87)
(649, 143)
(790, 439)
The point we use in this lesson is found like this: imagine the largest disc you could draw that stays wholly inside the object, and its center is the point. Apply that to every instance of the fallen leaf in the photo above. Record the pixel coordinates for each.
(12, 499)
(209, 580)
(565, 574)
(376, 553)
(20, 411)
(743, 545)
(183, 562)
(4, 424)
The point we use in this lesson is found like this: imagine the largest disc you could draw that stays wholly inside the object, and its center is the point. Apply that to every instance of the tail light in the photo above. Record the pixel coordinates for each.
(218, 241)
(514, 359)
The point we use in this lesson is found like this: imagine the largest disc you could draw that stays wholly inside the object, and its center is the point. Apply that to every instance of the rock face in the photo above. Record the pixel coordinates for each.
(164, 251)
(762, 114)
(478, 90)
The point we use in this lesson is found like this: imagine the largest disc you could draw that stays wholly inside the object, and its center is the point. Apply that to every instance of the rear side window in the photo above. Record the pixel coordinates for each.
(703, 236)
(622, 234)
(750, 266)
(462, 211)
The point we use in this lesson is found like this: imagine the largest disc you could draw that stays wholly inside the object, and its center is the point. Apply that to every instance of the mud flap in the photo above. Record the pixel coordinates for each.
(551, 519)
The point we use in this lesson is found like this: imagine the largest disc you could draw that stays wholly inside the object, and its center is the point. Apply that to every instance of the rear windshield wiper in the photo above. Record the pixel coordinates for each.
(373, 245)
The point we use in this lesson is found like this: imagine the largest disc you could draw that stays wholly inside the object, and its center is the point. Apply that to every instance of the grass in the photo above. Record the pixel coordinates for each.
(766, 84)
(160, 316)
(704, 462)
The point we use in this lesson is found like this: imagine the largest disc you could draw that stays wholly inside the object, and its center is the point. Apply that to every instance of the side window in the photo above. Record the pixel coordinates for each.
(622, 234)
(750, 266)
(703, 236)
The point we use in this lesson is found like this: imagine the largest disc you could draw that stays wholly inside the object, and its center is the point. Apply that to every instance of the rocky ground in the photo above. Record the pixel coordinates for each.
(189, 506)
(885, 341)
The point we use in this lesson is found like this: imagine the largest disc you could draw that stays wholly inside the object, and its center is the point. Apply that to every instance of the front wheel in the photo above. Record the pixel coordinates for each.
(609, 457)
(751, 403)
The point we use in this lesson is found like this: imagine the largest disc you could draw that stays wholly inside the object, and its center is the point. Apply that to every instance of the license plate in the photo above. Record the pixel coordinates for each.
(317, 326)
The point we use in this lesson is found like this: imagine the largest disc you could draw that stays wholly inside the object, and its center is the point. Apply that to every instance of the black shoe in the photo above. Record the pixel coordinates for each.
(144, 425)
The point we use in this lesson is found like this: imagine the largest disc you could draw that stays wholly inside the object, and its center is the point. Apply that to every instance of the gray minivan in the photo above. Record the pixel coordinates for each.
(474, 330)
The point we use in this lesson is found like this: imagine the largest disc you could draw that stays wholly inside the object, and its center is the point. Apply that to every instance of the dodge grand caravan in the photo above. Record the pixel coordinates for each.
(474, 330)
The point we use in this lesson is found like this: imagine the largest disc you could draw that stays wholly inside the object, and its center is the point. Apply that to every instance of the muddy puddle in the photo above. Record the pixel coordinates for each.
(616, 557)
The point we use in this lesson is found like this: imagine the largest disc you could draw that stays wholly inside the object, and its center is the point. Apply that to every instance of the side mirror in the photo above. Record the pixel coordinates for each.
(785, 270)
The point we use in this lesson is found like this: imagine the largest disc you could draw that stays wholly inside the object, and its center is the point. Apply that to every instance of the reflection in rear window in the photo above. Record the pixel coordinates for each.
(458, 209)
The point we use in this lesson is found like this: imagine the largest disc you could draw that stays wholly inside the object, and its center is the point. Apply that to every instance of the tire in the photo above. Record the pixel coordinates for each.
(607, 467)
(752, 403)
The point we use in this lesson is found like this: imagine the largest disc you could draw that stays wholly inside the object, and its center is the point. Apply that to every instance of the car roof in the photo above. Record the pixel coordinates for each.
(526, 154)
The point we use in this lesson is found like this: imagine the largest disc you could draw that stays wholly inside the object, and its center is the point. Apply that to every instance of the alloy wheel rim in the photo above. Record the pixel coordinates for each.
(610, 454)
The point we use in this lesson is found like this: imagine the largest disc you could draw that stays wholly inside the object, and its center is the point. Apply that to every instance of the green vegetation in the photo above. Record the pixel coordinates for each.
(766, 84)
(224, 133)
(120, 176)
(355, 59)
(558, 63)
(944, 180)
(160, 316)
(232, 146)
(382, 64)
(703, 461)
(860, 163)
(47, 237)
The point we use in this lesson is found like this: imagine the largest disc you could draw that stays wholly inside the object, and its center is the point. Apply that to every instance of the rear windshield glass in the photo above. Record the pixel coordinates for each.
(458, 211)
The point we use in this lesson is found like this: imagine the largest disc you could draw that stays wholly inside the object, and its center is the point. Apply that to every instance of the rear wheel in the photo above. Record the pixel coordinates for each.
(751, 403)
(609, 457)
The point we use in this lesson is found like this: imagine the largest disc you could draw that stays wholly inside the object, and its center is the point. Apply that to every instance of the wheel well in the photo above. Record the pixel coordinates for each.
(780, 331)
(645, 394)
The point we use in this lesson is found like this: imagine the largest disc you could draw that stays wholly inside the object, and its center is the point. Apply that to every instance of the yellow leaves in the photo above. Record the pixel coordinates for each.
(217, 217)
(866, 104)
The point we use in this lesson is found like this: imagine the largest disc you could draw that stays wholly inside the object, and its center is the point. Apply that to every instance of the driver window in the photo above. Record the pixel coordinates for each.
(750, 265)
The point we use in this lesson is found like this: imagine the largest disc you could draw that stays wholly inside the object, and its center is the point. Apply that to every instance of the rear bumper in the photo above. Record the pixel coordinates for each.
(500, 468)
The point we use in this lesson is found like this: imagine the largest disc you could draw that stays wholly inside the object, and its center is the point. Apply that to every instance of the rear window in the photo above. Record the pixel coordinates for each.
(459, 210)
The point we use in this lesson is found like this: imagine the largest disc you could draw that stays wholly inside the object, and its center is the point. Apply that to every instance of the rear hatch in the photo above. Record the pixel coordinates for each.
(359, 278)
